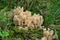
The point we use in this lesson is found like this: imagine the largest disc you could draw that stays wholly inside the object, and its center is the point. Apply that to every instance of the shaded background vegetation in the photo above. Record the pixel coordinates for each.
(49, 9)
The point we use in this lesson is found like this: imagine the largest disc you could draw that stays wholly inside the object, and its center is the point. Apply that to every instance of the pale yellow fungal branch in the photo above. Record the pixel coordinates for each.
(24, 19)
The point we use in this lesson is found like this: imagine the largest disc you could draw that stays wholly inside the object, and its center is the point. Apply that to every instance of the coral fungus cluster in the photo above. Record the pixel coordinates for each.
(48, 34)
(24, 19)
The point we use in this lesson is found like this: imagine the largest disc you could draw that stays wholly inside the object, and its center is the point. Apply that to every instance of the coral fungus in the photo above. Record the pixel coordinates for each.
(48, 34)
(25, 19)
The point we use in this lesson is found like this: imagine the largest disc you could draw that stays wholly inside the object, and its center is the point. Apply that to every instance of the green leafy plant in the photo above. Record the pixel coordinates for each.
(4, 34)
